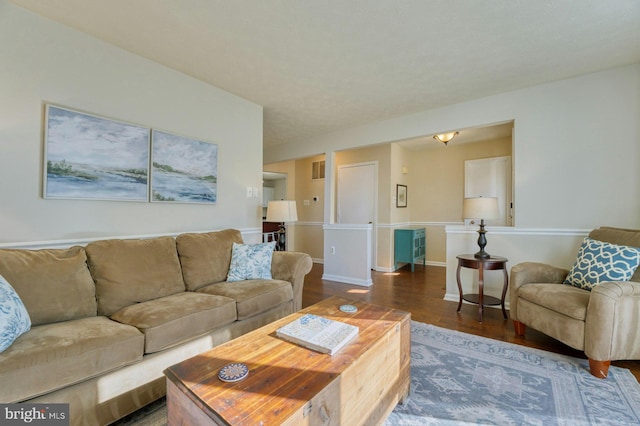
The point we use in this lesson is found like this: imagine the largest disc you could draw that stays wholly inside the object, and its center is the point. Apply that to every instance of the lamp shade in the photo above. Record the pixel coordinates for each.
(282, 211)
(480, 208)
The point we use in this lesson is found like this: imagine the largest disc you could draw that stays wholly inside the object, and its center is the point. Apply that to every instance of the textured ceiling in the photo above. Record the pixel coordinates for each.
(321, 66)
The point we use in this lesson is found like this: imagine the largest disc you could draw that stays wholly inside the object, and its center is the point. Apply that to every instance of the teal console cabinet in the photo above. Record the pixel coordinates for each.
(410, 246)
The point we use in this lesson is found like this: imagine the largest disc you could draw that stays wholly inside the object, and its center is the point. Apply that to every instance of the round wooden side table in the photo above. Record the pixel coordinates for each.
(490, 263)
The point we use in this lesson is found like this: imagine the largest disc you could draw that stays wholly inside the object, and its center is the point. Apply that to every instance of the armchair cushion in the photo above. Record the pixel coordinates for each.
(600, 261)
(569, 301)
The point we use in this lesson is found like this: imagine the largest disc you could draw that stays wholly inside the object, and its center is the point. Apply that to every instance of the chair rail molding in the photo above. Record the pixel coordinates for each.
(248, 234)
(512, 230)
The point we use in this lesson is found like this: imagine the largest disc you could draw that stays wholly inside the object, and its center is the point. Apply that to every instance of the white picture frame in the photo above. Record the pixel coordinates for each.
(94, 158)
(183, 170)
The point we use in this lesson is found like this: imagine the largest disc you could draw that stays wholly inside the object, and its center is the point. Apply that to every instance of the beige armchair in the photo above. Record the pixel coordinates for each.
(603, 322)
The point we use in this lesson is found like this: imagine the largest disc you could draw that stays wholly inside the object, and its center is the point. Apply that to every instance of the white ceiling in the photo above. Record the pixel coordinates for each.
(321, 66)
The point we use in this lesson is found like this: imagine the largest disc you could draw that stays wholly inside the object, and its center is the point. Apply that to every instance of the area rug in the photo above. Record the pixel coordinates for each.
(459, 378)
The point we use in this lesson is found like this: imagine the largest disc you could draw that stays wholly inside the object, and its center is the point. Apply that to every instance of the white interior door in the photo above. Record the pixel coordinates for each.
(491, 177)
(356, 197)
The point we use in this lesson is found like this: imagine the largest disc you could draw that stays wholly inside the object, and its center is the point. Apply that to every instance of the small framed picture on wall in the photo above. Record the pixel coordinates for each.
(401, 195)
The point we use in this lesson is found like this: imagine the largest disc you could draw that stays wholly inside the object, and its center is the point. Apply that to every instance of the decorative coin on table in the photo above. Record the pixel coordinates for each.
(348, 309)
(233, 372)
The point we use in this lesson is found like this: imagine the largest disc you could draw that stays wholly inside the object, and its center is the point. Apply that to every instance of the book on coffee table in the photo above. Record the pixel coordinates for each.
(318, 333)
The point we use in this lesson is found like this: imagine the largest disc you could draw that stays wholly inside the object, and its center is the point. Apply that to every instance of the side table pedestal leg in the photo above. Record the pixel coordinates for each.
(480, 292)
(459, 286)
(504, 290)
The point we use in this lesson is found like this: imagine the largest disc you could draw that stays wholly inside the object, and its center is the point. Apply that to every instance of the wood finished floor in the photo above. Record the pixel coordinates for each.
(422, 293)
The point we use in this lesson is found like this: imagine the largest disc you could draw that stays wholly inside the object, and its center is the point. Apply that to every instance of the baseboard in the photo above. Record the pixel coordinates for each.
(390, 269)
(348, 280)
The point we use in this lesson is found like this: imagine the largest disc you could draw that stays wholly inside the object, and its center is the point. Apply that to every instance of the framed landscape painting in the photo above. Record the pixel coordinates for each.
(183, 170)
(90, 157)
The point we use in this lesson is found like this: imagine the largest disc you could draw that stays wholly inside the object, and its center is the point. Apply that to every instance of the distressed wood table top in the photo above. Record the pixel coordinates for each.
(288, 383)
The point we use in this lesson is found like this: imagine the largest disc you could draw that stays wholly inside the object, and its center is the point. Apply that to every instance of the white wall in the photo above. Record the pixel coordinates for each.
(346, 258)
(576, 146)
(42, 61)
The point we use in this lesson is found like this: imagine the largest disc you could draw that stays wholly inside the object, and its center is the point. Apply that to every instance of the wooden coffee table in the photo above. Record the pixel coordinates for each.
(289, 384)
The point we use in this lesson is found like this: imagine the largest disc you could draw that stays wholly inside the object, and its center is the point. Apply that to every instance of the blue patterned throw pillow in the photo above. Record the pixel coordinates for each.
(600, 262)
(251, 261)
(14, 318)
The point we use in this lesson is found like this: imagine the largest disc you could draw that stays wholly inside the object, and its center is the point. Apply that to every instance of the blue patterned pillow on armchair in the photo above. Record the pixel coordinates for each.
(600, 262)
(251, 261)
(14, 318)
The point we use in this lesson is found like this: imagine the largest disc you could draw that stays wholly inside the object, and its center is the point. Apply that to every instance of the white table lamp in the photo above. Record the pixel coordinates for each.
(481, 208)
(282, 211)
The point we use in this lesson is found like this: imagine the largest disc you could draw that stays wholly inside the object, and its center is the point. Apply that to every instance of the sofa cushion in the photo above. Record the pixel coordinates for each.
(563, 299)
(253, 297)
(14, 318)
(133, 271)
(251, 261)
(620, 236)
(205, 257)
(600, 261)
(53, 356)
(54, 285)
(170, 320)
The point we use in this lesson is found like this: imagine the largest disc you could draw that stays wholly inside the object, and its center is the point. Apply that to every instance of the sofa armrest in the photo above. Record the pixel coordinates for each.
(611, 324)
(292, 266)
(531, 272)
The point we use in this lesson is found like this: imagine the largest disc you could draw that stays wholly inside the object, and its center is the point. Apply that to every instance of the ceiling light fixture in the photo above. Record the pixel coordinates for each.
(445, 137)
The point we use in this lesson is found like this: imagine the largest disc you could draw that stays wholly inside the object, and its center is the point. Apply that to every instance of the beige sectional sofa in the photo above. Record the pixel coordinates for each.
(108, 318)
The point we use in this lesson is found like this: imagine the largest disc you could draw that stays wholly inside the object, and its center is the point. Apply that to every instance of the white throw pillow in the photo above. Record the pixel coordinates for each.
(251, 261)
(14, 318)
